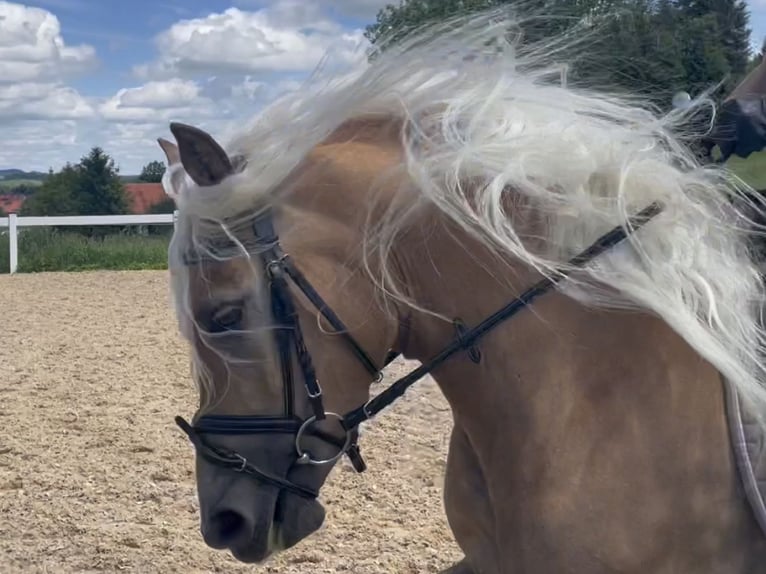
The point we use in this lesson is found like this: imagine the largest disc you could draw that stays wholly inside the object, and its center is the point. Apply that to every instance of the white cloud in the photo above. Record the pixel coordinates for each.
(42, 101)
(214, 71)
(32, 48)
(157, 100)
(287, 36)
(38, 145)
(34, 61)
(169, 94)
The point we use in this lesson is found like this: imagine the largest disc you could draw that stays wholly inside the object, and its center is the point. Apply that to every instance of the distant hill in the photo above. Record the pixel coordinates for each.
(10, 178)
(18, 176)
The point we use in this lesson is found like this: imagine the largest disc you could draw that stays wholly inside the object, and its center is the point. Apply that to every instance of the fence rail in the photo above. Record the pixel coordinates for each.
(13, 222)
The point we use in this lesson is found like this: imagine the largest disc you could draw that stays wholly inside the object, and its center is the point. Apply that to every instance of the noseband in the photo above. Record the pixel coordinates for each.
(279, 268)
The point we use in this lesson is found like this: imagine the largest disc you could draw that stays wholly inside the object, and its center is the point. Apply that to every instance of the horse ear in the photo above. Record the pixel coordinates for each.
(171, 151)
(203, 158)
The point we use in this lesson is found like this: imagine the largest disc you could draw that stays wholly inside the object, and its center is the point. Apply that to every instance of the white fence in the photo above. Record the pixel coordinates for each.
(14, 222)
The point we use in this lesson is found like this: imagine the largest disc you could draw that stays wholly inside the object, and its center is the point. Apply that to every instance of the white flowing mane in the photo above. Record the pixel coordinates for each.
(477, 108)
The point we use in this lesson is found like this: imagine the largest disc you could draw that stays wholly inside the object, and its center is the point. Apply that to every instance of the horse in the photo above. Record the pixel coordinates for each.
(581, 289)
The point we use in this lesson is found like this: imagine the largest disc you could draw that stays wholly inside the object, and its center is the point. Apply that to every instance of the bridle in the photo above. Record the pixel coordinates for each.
(279, 268)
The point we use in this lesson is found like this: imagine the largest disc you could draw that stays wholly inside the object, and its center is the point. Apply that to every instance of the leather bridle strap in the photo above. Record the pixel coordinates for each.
(239, 463)
(275, 257)
(467, 338)
(340, 328)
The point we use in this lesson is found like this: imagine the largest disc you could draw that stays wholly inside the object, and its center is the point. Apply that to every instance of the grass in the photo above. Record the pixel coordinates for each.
(752, 170)
(46, 249)
(8, 184)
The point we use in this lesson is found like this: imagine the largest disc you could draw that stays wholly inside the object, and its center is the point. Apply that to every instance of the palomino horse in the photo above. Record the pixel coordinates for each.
(395, 211)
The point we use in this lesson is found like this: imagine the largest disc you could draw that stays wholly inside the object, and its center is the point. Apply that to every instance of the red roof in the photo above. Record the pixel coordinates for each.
(11, 203)
(143, 196)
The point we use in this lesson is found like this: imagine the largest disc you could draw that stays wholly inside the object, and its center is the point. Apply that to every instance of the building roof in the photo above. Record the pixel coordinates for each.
(143, 196)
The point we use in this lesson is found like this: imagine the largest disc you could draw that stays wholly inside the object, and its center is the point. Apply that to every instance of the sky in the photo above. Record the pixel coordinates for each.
(79, 73)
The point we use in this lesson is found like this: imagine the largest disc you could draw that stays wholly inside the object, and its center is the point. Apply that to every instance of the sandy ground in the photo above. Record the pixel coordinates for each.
(96, 477)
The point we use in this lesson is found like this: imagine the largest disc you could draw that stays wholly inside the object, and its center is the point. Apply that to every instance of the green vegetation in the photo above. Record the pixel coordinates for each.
(6, 174)
(46, 249)
(92, 186)
(652, 48)
(152, 172)
(752, 169)
(16, 185)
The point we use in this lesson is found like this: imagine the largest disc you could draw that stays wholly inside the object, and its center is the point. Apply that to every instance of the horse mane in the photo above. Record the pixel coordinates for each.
(477, 106)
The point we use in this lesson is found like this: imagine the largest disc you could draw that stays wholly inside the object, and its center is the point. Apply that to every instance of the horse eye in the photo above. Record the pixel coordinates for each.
(226, 318)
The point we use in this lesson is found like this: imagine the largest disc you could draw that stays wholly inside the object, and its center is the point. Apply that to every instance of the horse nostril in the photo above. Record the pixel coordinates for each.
(226, 527)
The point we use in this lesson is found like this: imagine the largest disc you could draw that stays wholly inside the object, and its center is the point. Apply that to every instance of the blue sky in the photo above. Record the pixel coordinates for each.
(78, 73)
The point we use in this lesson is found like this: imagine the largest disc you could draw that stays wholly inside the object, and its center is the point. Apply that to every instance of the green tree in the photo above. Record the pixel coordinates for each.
(57, 195)
(648, 47)
(90, 187)
(726, 26)
(394, 23)
(152, 172)
(22, 189)
(100, 191)
(703, 57)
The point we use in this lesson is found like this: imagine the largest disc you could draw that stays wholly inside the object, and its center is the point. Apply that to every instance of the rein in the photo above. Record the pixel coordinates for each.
(279, 268)
(468, 337)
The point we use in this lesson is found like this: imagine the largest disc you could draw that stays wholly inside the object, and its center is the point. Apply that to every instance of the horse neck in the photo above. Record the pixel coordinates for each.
(556, 366)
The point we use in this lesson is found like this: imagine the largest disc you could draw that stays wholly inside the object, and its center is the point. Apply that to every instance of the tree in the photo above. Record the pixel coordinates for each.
(22, 189)
(152, 172)
(725, 24)
(649, 47)
(56, 195)
(100, 191)
(90, 187)
(703, 57)
(394, 23)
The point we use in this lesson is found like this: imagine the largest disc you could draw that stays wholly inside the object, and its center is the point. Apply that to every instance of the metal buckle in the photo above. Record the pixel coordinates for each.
(276, 265)
(318, 393)
(304, 457)
(366, 410)
(244, 462)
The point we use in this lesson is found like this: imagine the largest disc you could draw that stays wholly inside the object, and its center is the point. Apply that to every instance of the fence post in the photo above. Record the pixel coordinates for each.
(13, 242)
